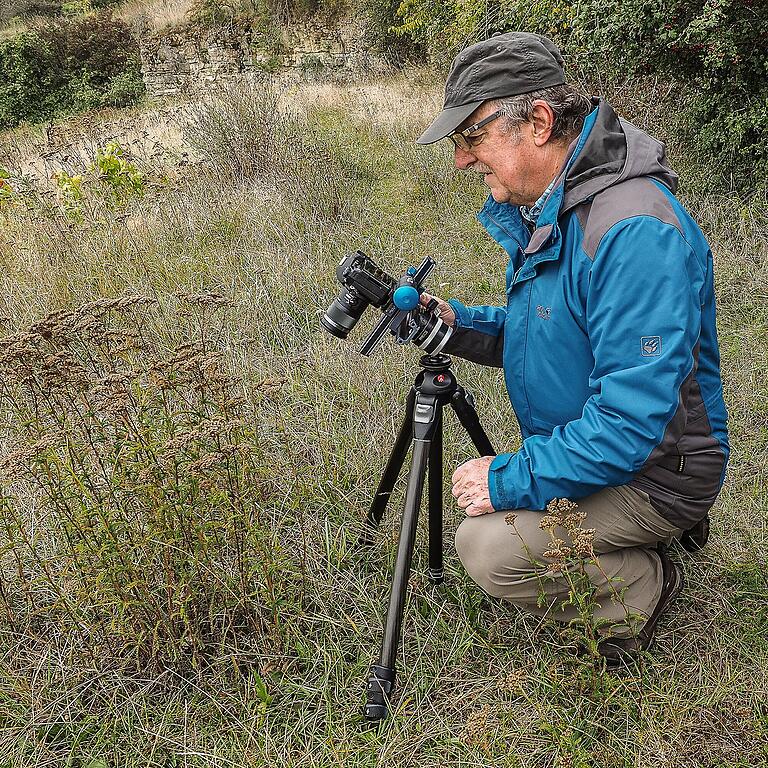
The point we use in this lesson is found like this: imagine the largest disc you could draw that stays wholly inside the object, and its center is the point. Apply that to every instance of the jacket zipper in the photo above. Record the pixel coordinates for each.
(511, 237)
(525, 343)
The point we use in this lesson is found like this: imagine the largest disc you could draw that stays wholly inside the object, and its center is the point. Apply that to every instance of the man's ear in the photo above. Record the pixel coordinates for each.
(542, 120)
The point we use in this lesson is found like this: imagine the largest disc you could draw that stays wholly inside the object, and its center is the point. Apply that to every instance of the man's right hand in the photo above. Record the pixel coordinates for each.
(444, 309)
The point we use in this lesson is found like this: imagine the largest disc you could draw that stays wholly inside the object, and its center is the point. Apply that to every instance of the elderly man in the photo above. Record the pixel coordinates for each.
(606, 337)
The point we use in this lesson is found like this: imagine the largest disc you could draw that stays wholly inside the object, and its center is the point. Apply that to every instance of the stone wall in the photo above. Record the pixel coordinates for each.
(185, 58)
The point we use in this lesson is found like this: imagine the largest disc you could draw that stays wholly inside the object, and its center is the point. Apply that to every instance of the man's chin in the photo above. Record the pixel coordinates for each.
(500, 195)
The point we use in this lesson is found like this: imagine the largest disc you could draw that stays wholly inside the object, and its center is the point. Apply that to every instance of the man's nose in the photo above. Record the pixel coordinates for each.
(462, 158)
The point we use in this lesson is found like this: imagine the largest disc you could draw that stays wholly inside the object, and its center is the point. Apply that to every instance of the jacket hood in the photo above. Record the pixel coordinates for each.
(614, 151)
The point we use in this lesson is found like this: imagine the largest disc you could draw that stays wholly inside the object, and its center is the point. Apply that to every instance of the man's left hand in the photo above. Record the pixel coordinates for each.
(470, 486)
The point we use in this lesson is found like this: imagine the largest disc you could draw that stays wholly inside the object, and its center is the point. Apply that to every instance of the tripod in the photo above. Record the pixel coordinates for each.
(434, 388)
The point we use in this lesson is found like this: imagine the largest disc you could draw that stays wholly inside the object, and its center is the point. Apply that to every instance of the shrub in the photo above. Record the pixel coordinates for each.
(443, 28)
(241, 130)
(111, 182)
(150, 483)
(31, 78)
(716, 49)
(244, 133)
(68, 65)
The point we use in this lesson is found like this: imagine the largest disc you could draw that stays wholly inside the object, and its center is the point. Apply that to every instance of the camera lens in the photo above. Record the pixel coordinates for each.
(433, 333)
(344, 312)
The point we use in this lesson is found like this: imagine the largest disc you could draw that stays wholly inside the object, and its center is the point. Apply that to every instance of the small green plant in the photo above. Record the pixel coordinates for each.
(7, 193)
(120, 176)
(111, 180)
(70, 194)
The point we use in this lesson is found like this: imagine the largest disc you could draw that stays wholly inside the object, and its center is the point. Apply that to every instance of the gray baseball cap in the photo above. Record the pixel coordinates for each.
(503, 65)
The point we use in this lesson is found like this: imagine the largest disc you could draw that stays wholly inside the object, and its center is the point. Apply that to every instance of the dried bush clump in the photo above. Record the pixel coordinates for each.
(147, 483)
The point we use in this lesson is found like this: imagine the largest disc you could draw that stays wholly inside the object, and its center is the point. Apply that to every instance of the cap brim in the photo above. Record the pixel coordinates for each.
(447, 122)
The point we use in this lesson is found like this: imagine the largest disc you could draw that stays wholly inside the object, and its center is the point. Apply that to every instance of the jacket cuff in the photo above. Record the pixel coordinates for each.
(502, 494)
(463, 315)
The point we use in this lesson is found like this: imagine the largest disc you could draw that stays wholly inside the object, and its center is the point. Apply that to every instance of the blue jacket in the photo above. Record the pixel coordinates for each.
(607, 339)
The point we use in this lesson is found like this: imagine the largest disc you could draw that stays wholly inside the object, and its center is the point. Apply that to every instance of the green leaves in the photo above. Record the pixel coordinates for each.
(715, 50)
(67, 65)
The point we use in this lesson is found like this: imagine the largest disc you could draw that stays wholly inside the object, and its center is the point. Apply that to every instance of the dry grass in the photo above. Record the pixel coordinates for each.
(478, 684)
(153, 15)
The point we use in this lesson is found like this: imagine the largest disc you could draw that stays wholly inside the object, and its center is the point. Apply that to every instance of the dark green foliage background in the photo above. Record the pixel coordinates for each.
(66, 65)
(715, 52)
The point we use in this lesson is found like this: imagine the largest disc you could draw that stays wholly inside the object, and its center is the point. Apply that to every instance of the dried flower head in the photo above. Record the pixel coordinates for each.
(476, 727)
(582, 541)
(548, 522)
(558, 550)
(514, 681)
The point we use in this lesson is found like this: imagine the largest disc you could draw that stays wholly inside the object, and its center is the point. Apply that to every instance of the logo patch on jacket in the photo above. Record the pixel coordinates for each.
(543, 312)
(650, 346)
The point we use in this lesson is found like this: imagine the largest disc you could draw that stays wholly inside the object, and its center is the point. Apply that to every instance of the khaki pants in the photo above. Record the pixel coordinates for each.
(503, 559)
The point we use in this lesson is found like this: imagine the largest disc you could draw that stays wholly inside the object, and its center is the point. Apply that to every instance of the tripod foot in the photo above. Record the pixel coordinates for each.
(436, 575)
(380, 684)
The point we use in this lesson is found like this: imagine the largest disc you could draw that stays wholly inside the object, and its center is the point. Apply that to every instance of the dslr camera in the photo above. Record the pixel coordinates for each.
(364, 283)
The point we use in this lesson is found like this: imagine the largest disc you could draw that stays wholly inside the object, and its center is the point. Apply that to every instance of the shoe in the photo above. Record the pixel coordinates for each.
(618, 651)
(695, 538)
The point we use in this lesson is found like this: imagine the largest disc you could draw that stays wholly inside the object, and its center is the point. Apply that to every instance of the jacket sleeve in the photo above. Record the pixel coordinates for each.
(643, 314)
(478, 334)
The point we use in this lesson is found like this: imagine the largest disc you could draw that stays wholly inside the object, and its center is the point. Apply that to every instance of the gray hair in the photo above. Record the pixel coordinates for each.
(568, 103)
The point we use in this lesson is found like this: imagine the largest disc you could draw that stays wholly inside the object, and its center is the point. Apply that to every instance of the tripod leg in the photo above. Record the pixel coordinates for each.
(394, 465)
(436, 504)
(382, 676)
(464, 406)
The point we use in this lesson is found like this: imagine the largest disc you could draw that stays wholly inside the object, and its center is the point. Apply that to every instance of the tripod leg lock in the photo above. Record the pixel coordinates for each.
(380, 684)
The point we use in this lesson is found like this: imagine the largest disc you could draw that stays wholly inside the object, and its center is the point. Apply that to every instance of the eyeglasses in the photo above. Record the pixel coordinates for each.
(463, 139)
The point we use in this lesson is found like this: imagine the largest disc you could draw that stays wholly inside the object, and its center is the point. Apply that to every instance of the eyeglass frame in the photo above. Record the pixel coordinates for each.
(459, 138)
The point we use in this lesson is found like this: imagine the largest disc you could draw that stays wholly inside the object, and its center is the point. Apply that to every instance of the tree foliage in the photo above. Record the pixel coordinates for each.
(716, 51)
(64, 65)
(444, 27)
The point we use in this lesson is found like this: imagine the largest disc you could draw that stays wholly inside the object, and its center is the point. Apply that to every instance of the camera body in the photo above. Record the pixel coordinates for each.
(364, 283)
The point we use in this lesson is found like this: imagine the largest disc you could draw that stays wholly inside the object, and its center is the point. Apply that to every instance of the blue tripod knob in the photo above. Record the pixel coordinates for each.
(406, 298)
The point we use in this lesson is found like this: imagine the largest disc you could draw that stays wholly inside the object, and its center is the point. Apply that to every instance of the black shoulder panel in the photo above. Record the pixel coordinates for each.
(635, 197)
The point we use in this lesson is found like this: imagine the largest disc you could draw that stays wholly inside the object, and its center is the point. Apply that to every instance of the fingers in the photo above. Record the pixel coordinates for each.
(482, 507)
(470, 486)
(461, 471)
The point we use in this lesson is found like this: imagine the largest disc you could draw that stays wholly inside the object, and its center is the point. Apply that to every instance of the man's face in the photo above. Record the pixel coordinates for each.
(515, 165)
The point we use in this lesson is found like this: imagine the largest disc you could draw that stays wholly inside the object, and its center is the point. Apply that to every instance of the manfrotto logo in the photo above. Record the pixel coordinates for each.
(543, 312)
(650, 346)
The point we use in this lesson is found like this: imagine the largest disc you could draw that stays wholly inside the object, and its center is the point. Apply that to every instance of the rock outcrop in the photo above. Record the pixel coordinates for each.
(186, 57)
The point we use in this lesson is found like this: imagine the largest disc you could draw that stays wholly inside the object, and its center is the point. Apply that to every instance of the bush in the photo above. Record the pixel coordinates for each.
(68, 65)
(718, 52)
(443, 28)
(30, 78)
(111, 182)
(244, 133)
